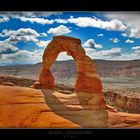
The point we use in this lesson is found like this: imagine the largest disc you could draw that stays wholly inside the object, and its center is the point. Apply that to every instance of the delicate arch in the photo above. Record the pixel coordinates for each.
(87, 78)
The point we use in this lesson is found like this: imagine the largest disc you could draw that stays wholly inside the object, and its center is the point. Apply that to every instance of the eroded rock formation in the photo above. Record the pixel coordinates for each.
(125, 101)
(88, 84)
(87, 78)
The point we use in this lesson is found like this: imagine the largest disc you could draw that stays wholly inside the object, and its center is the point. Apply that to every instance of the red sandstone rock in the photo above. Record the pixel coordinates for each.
(123, 120)
(125, 101)
(22, 107)
(8, 84)
(36, 85)
(87, 78)
(86, 69)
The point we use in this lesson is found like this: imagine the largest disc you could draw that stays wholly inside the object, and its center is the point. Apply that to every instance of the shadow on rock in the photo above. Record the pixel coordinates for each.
(68, 107)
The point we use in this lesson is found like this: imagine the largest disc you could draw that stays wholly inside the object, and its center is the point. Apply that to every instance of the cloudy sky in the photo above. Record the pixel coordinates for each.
(104, 35)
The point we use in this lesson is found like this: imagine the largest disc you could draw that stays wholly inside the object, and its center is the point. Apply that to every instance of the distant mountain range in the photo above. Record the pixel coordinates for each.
(105, 68)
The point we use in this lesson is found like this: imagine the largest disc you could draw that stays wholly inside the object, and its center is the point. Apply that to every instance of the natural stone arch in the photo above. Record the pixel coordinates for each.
(88, 88)
(88, 81)
(87, 77)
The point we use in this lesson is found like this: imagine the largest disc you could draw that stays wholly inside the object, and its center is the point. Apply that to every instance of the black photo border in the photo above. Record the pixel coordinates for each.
(68, 5)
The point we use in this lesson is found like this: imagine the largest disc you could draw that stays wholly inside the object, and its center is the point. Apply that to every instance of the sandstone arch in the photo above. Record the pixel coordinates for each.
(87, 78)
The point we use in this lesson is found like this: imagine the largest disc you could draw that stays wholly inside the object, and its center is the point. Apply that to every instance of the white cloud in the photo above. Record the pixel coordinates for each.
(22, 34)
(90, 43)
(43, 43)
(43, 34)
(100, 35)
(114, 54)
(113, 24)
(124, 34)
(129, 41)
(115, 40)
(19, 32)
(111, 52)
(136, 51)
(36, 20)
(128, 56)
(6, 48)
(136, 48)
(27, 57)
(137, 54)
(33, 17)
(61, 21)
(29, 14)
(36, 14)
(10, 54)
(22, 57)
(135, 33)
(25, 38)
(60, 30)
(63, 56)
(131, 18)
(4, 19)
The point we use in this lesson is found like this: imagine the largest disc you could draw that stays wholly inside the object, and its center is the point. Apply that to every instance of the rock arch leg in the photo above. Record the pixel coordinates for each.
(46, 78)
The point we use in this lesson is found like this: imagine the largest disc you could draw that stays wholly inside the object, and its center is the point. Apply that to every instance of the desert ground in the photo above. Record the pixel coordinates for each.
(122, 95)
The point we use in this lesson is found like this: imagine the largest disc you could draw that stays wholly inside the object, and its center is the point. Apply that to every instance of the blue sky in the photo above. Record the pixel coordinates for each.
(104, 35)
